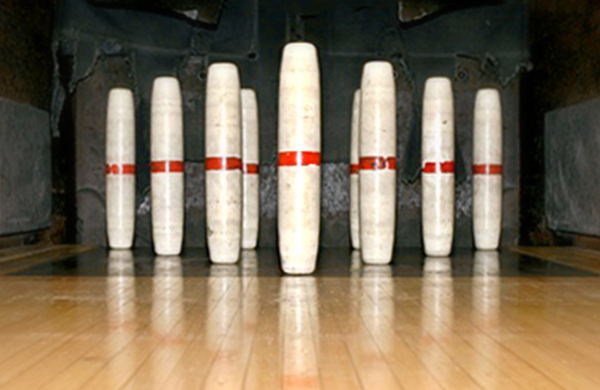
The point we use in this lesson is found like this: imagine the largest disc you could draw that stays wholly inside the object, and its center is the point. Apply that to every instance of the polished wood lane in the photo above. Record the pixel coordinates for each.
(240, 327)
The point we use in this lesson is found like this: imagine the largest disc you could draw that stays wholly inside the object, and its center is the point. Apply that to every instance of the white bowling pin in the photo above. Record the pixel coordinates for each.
(437, 176)
(299, 172)
(487, 169)
(250, 161)
(120, 169)
(377, 181)
(354, 159)
(167, 166)
(223, 163)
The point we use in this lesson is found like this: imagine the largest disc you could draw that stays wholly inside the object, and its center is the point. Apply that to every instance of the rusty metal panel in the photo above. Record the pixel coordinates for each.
(572, 142)
(25, 168)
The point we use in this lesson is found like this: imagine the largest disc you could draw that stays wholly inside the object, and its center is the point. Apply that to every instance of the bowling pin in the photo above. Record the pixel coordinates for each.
(299, 171)
(487, 169)
(437, 175)
(377, 177)
(120, 169)
(250, 161)
(354, 159)
(223, 163)
(167, 178)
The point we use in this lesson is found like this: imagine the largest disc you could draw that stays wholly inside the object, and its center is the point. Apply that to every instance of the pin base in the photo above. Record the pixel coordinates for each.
(438, 252)
(300, 266)
(377, 260)
(224, 255)
(163, 250)
(487, 240)
(120, 245)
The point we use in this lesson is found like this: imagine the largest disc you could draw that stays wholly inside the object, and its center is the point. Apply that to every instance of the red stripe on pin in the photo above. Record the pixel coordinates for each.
(166, 166)
(487, 169)
(119, 169)
(436, 167)
(299, 159)
(251, 169)
(354, 168)
(377, 163)
(223, 163)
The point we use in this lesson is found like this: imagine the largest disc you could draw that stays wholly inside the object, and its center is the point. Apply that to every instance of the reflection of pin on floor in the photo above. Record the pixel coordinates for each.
(377, 178)
(167, 297)
(486, 263)
(486, 288)
(121, 289)
(299, 327)
(223, 163)
(167, 166)
(120, 168)
(224, 327)
(437, 295)
(487, 169)
(437, 177)
(299, 172)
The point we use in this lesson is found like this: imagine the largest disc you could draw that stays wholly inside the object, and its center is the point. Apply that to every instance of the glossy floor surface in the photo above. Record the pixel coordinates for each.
(123, 320)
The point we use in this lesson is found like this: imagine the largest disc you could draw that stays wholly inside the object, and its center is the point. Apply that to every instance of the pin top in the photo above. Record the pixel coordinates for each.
(120, 98)
(487, 99)
(438, 88)
(223, 66)
(378, 66)
(166, 88)
(378, 74)
(300, 49)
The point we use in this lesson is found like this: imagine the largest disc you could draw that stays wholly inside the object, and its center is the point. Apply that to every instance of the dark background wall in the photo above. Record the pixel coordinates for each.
(565, 53)
(25, 94)
(98, 48)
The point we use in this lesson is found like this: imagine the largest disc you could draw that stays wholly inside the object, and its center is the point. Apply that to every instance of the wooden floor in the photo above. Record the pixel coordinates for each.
(237, 328)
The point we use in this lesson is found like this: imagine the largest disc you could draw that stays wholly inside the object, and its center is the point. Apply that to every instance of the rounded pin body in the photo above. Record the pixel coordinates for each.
(120, 169)
(299, 171)
(223, 163)
(377, 178)
(167, 166)
(487, 169)
(354, 176)
(250, 160)
(437, 175)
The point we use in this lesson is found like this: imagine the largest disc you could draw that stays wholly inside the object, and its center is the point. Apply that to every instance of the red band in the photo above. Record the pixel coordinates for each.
(298, 159)
(251, 169)
(166, 166)
(377, 163)
(354, 169)
(487, 169)
(119, 169)
(223, 163)
(443, 167)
